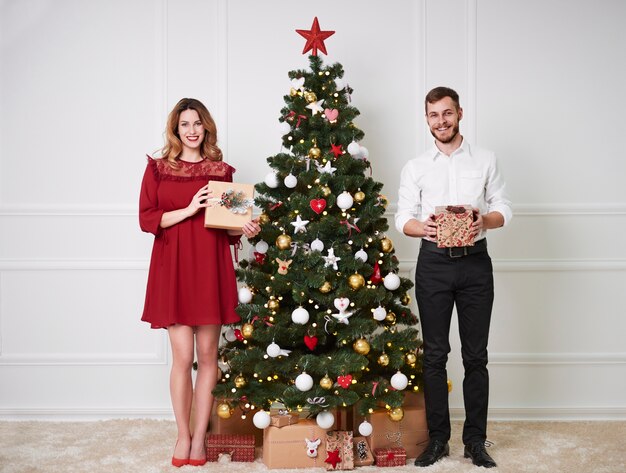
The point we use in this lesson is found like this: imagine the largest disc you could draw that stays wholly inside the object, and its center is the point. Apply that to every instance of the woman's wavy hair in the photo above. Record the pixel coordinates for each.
(174, 147)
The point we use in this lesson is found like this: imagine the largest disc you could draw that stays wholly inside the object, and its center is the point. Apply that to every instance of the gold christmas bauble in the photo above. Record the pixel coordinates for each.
(359, 196)
(406, 299)
(383, 360)
(325, 288)
(390, 318)
(361, 346)
(326, 191)
(326, 382)
(273, 304)
(240, 381)
(293, 92)
(264, 219)
(224, 411)
(310, 96)
(396, 414)
(449, 386)
(356, 281)
(246, 330)
(315, 152)
(383, 200)
(386, 245)
(283, 242)
(410, 358)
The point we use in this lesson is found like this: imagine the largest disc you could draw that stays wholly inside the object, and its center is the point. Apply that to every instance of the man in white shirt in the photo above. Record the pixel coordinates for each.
(453, 173)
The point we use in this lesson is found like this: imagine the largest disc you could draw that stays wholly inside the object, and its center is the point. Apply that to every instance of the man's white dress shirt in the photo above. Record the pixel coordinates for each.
(469, 175)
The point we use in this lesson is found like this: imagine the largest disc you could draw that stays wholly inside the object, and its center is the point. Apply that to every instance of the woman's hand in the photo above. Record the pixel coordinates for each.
(200, 200)
(251, 228)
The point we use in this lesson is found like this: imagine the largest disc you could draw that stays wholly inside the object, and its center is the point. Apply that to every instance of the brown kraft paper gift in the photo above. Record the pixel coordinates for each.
(287, 447)
(231, 205)
(411, 432)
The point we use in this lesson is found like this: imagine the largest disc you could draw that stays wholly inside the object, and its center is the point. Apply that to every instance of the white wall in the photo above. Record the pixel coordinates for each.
(84, 91)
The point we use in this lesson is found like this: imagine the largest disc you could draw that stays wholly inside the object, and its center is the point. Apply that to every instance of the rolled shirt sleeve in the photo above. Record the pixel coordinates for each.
(409, 198)
(495, 193)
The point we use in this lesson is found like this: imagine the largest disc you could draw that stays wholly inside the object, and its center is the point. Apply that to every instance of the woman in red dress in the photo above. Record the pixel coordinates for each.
(191, 287)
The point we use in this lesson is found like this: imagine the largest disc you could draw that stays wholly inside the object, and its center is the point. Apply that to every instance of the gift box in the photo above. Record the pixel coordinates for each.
(339, 454)
(231, 205)
(413, 399)
(301, 445)
(362, 452)
(239, 447)
(344, 418)
(454, 226)
(394, 456)
(283, 420)
(411, 433)
(234, 425)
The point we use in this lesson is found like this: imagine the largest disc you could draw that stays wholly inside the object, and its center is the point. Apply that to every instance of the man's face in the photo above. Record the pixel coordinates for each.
(443, 119)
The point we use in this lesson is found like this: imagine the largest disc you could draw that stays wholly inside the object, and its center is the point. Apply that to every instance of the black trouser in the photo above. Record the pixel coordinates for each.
(440, 282)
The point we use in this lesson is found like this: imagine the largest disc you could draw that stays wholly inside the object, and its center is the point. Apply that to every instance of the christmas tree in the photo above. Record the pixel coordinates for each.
(325, 317)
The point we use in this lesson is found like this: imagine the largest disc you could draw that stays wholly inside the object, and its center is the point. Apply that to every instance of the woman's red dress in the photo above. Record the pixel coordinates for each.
(191, 279)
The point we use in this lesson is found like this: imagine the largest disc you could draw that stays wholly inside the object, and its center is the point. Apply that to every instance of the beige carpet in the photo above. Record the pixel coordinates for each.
(144, 446)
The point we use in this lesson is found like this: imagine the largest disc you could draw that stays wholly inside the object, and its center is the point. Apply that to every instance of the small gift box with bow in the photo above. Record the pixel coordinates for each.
(231, 205)
(454, 226)
(283, 418)
(394, 456)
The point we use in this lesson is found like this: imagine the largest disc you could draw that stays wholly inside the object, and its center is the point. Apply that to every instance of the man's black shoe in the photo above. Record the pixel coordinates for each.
(436, 450)
(478, 454)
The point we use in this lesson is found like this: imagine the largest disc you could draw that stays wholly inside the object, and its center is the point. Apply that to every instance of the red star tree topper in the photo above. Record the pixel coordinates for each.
(315, 38)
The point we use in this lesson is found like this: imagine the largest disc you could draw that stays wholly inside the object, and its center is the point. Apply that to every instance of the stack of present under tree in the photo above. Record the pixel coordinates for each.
(325, 360)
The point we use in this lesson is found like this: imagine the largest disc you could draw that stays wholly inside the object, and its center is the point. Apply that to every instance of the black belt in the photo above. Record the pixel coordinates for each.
(456, 251)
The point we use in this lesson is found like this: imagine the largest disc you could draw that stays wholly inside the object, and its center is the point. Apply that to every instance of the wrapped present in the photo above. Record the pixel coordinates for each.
(235, 424)
(339, 454)
(411, 433)
(344, 418)
(301, 445)
(393, 456)
(362, 452)
(231, 205)
(283, 420)
(239, 447)
(413, 399)
(454, 226)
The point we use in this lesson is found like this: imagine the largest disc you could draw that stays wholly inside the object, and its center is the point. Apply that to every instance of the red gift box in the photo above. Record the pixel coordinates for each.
(454, 226)
(239, 446)
(395, 456)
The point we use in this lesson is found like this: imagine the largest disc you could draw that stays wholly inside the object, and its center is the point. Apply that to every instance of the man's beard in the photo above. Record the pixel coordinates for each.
(455, 131)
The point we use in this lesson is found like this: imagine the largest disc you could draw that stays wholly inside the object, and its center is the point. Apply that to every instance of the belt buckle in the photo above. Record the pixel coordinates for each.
(453, 254)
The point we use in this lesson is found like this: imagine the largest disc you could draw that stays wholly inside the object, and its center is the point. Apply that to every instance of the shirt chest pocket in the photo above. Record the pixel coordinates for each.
(471, 184)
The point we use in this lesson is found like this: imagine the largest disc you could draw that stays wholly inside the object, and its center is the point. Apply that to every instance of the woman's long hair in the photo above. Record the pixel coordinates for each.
(173, 146)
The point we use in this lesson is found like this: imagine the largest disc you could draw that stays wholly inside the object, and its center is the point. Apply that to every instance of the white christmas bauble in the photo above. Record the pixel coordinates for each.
(273, 350)
(399, 381)
(392, 281)
(365, 428)
(229, 335)
(344, 200)
(271, 180)
(354, 148)
(261, 246)
(363, 152)
(361, 254)
(291, 181)
(284, 128)
(325, 419)
(300, 316)
(317, 245)
(379, 313)
(297, 83)
(261, 420)
(245, 295)
(304, 382)
(339, 84)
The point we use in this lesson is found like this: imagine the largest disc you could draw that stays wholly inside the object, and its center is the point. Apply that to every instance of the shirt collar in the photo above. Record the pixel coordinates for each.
(434, 152)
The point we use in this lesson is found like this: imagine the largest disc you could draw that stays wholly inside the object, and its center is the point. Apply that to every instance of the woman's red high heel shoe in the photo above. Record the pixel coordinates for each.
(193, 462)
(178, 462)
